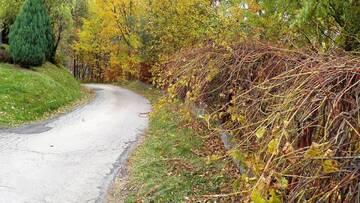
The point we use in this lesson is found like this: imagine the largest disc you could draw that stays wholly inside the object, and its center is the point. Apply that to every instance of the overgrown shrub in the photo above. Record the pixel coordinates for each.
(31, 37)
(294, 117)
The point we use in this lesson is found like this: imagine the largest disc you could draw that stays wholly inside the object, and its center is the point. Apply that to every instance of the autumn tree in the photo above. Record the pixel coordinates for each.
(318, 24)
(108, 44)
(172, 25)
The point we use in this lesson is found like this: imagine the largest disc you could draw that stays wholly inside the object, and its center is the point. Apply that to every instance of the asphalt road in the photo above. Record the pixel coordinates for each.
(75, 157)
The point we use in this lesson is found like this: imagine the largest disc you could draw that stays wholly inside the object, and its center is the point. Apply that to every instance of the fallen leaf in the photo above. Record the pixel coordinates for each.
(260, 132)
(330, 166)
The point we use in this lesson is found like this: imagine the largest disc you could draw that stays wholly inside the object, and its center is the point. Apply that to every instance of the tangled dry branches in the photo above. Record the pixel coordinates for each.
(294, 117)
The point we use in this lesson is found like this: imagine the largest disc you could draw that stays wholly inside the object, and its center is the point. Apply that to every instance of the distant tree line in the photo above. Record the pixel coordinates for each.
(123, 38)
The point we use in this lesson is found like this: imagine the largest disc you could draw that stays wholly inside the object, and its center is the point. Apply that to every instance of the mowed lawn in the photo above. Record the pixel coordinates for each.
(30, 94)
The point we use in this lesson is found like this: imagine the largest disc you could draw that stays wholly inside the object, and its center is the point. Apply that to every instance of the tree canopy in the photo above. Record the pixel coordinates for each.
(131, 33)
(138, 32)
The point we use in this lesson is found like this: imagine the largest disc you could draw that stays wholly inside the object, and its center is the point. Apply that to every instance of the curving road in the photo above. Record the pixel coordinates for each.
(75, 157)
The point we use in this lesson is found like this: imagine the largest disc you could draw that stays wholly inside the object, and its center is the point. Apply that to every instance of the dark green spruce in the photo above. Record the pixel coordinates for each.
(31, 37)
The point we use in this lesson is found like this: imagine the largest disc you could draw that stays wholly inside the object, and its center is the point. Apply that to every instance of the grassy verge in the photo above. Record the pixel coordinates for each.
(152, 94)
(29, 95)
(173, 163)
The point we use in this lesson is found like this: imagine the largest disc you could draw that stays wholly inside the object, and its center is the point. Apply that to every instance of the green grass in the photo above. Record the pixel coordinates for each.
(29, 95)
(151, 93)
(164, 168)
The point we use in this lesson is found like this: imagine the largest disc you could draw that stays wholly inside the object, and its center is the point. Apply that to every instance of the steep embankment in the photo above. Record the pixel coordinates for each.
(28, 95)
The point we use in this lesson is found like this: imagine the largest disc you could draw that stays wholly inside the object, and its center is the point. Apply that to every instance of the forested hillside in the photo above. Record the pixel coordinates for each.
(278, 80)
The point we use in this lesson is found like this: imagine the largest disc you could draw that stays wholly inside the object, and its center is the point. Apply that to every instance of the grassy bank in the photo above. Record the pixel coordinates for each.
(29, 95)
(172, 163)
(152, 94)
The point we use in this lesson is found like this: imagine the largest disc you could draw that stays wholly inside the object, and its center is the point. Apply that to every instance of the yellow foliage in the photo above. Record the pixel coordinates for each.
(273, 146)
(330, 166)
(108, 41)
(260, 132)
(313, 151)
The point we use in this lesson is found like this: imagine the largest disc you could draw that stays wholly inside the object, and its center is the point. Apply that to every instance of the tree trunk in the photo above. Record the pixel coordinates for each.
(56, 45)
(74, 67)
(1, 36)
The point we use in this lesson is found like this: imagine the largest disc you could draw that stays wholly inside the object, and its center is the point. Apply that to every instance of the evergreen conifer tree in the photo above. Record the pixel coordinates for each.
(31, 37)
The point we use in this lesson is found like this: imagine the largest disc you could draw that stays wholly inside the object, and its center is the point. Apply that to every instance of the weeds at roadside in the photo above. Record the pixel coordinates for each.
(173, 162)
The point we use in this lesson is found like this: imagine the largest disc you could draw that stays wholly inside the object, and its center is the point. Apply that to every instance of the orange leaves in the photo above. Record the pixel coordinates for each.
(253, 6)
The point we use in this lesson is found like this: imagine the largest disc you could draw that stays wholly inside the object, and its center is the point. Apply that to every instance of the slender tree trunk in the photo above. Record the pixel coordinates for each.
(74, 67)
(56, 45)
(1, 36)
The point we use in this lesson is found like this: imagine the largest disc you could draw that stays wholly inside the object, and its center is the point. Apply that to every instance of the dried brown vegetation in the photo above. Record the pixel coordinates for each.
(4, 55)
(294, 117)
